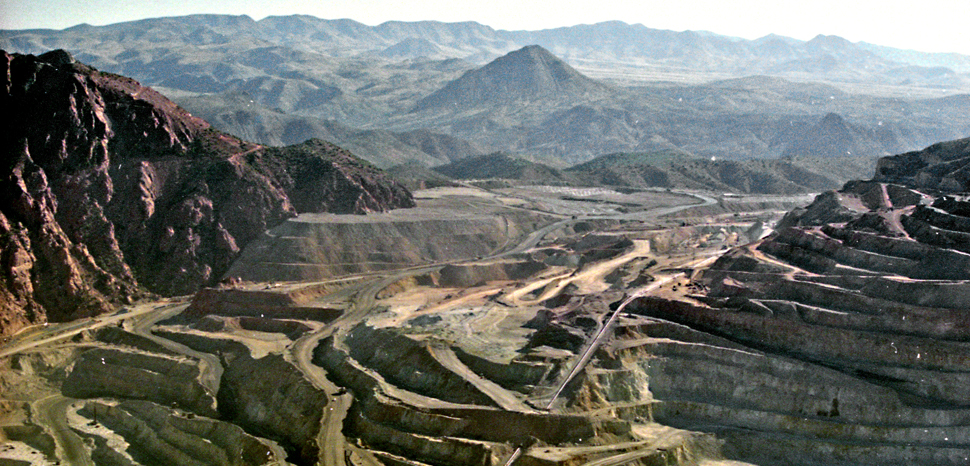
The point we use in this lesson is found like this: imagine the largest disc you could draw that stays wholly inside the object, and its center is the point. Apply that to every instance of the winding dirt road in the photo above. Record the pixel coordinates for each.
(52, 413)
(334, 450)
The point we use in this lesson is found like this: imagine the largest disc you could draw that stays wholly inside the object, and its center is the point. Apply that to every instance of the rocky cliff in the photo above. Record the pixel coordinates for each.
(109, 190)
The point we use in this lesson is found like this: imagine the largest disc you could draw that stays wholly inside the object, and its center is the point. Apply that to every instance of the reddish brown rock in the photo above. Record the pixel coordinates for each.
(107, 189)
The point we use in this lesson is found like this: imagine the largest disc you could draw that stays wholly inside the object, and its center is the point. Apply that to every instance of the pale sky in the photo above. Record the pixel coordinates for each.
(926, 25)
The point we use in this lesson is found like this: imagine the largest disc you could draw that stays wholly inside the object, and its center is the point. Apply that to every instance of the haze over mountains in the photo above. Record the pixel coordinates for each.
(530, 74)
(561, 96)
(339, 319)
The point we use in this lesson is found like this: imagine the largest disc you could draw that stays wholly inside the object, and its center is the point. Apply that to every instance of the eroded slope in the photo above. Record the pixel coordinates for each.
(109, 187)
(839, 339)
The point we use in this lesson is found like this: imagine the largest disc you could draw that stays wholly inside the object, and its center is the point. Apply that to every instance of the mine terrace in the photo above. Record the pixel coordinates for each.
(173, 294)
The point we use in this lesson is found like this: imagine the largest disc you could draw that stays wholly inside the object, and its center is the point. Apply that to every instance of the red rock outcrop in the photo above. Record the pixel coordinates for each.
(108, 189)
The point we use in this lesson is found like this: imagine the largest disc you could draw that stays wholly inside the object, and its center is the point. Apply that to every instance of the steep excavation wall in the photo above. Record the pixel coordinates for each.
(268, 397)
(843, 343)
(166, 380)
(159, 437)
(469, 275)
(413, 422)
(272, 398)
(314, 247)
(256, 303)
(411, 364)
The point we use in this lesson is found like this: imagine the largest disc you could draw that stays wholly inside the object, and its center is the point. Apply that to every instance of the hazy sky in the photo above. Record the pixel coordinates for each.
(927, 25)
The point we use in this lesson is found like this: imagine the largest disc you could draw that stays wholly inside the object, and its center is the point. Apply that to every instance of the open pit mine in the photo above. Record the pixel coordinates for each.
(462, 325)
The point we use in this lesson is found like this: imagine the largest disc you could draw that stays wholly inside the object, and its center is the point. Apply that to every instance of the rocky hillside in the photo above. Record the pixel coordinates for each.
(942, 166)
(108, 189)
(677, 169)
(504, 166)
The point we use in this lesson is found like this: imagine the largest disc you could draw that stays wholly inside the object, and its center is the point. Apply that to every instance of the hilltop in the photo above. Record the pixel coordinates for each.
(942, 166)
(504, 166)
(526, 75)
(833, 136)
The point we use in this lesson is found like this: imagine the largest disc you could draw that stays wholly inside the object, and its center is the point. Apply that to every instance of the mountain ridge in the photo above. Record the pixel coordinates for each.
(480, 38)
(111, 192)
(670, 86)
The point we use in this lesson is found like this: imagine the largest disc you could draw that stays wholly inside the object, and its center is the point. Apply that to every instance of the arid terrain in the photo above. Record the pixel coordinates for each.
(437, 244)
(438, 353)
(434, 93)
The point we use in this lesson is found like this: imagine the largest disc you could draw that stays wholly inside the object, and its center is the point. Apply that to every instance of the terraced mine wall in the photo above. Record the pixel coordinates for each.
(272, 398)
(268, 396)
(314, 247)
(411, 364)
(159, 438)
(845, 343)
(173, 381)
(256, 303)
(469, 275)
(407, 417)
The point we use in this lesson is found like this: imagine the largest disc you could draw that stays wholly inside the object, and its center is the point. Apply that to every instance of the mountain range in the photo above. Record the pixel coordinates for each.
(662, 169)
(562, 96)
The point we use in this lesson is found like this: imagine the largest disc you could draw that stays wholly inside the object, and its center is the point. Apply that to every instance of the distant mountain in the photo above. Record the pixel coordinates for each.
(415, 176)
(587, 130)
(238, 113)
(662, 169)
(527, 74)
(611, 41)
(109, 191)
(833, 136)
(503, 166)
(596, 44)
(699, 92)
(413, 47)
(439, 146)
(677, 169)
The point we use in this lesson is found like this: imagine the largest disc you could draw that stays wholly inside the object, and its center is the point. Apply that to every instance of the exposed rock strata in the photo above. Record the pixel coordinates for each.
(390, 417)
(242, 302)
(107, 186)
(314, 247)
(469, 275)
(840, 339)
(162, 379)
(156, 436)
(269, 396)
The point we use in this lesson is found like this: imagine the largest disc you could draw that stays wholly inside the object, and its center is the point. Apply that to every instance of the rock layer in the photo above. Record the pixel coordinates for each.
(824, 343)
(159, 437)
